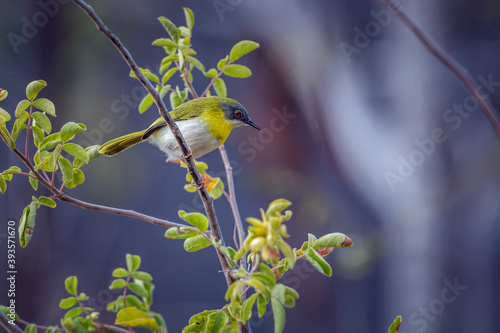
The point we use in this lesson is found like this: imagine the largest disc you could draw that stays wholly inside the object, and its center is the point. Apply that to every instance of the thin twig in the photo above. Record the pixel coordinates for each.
(457, 69)
(205, 197)
(4, 322)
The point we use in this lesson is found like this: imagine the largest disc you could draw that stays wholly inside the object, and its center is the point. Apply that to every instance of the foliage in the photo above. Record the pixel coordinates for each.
(57, 164)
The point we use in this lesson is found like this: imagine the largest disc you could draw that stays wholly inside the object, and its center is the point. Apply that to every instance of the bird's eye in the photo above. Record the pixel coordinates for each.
(238, 114)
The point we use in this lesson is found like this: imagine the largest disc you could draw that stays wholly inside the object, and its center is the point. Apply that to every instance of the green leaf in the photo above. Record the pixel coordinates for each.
(278, 315)
(27, 224)
(220, 87)
(47, 202)
(118, 284)
(168, 75)
(34, 88)
(196, 243)
(30, 329)
(3, 94)
(197, 220)
(222, 63)
(277, 206)
(287, 252)
(4, 114)
(10, 171)
(215, 188)
(160, 322)
(71, 285)
(66, 168)
(3, 184)
(175, 99)
(133, 262)
(238, 71)
(120, 272)
(146, 103)
(196, 63)
(92, 152)
(164, 42)
(132, 300)
(132, 317)
(211, 73)
(21, 106)
(69, 130)
(73, 313)
(246, 309)
(67, 303)
(147, 73)
(242, 48)
(82, 297)
(335, 239)
(318, 262)
(7, 136)
(50, 144)
(33, 181)
(138, 289)
(189, 18)
(395, 325)
(172, 30)
(73, 326)
(216, 322)
(38, 135)
(45, 105)
(77, 151)
(143, 276)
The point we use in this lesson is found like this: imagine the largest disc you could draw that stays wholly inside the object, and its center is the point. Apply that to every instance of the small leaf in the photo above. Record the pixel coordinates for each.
(7, 136)
(3, 184)
(34, 88)
(287, 251)
(73, 313)
(335, 239)
(118, 284)
(38, 135)
(222, 63)
(132, 317)
(27, 224)
(211, 73)
(278, 315)
(4, 114)
(143, 276)
(67, 303)
(78, 178)
(69, 130)
(246, 309)
(30, 329)
(146, 103)
(168, 75)
(133, 262)
(77, 151)
(220, 87)
(216, 322)
(196, 243)
(196, 63)
(395, 325)
(242, 48)
(3, 94)
(147, 73)
(261, 304)
(197, 220)
(71, 285)
(120, 272)
(181, 233)
(277, 206)
(175, 100)
(21, 106)
(45, 105)
(318, 262)
(47, 202)
(66, 168)
(172, 30)
(50, 144)
(33, 181)
(238, 71)
(138, 289)
(164, 42)
(189, 17)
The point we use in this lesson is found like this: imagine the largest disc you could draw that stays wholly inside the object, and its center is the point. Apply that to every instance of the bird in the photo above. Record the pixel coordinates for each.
(204, 122)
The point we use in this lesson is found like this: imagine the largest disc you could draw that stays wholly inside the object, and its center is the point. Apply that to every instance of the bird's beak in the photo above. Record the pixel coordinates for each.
(251, 123)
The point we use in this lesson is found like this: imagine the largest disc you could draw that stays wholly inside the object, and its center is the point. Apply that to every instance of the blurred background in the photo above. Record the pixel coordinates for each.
(364, 131)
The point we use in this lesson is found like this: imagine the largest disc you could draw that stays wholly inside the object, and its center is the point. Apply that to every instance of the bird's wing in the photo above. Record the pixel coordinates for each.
(178, 114)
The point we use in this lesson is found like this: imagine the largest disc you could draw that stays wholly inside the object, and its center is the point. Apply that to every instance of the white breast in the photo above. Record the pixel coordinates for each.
(195, 133)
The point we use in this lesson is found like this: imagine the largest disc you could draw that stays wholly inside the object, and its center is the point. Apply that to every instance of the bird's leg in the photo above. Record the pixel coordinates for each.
(190, 154)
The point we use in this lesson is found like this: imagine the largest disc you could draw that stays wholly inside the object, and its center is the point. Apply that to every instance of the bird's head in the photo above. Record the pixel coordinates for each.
(235, 113)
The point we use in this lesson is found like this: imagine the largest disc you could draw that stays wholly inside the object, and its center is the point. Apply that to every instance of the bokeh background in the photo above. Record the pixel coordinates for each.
(379, 141)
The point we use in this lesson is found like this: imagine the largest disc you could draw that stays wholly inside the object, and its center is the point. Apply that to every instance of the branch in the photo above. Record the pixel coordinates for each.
(66, 198)
(4, 322)
(205, 197)
(457, 69)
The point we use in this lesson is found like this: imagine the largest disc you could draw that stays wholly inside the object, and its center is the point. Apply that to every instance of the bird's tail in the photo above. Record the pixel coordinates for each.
(117, 145)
